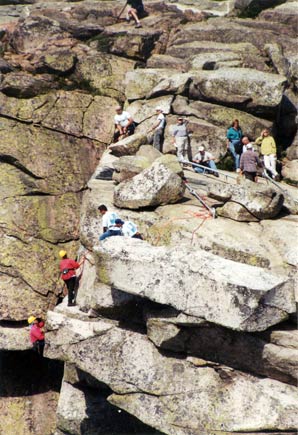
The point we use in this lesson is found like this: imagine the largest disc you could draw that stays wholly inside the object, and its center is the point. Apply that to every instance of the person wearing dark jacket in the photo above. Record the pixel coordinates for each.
(68, 274)
(249, 162)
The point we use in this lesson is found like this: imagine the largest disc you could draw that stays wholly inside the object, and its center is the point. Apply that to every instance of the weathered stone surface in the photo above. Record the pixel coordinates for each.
(285, 13)
(149, 152)
(140, 110)
(249, 352)
(12, 338)
(237, 212)
(290, 170)
(262, 202)
(138, 268)
(255, 90)
(166, 61)
(253, 7)
(128, 146)
(141, 82)
(129, 166)
(26, 86)
(154, 186)
(292, 151)
(118, 351)
(176, 84)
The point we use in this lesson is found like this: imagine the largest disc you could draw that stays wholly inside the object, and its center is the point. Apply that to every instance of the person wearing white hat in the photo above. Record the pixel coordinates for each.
(158, 129)
(206, 159)
(181, 139)
(249, 162)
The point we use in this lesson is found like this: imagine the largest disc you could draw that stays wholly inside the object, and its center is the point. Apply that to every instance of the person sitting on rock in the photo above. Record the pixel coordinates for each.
(108, 217)
(135, 11)
(68, 269)
(249, 162)
(181, 139)
(158, 129)
(113, 230)
(245, 141)
(205, 159)
(234, 135)
(124, 124)
(268, 150)
(129, 229)
(37, 336)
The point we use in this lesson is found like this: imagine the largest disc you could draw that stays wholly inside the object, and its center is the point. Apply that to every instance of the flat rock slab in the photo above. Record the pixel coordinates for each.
(201, 399)
(198, 283)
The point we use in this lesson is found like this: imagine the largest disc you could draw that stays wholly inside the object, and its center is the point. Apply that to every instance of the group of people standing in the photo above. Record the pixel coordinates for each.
(238, 144)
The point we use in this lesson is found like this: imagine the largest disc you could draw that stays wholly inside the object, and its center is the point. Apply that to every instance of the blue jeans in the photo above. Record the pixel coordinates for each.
(210, 164)
(110, 233)
(236, 156)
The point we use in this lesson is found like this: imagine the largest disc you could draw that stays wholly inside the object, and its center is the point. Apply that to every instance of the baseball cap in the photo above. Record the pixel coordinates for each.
(249, 146)
(119, 222)
(201, 148)
(158, 109)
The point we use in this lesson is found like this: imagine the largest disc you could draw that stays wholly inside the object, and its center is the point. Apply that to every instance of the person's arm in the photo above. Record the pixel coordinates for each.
(129, 122)
(154, 126)
(258, 140)
(37, 333)
(273, 146)
(230, 134)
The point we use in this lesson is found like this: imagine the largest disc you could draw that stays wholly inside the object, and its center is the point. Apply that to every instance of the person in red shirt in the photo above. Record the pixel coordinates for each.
(37, 337)
(68, 274)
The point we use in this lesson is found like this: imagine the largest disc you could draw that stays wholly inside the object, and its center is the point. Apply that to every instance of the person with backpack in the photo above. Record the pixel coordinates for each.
(68, 269)
(234, 136)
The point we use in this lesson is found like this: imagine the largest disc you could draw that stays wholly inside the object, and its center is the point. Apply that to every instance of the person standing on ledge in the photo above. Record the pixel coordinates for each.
(158, 129)
(249, 162)
(234, 136)
(135, 11)
(181, 139)
(268, 150)
(68, 269)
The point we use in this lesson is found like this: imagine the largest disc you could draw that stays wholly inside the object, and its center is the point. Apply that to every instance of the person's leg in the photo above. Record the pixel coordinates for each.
(272, 162)
(237, 161)
(157, 139)
(267, 163)
(133, 13)
(236, 156)
(105, 235)
(250, 175)
(131, 129)
(212, 165)
(71, 283)
(138, 236)
(198, 170)
(185, 148)
(179, 146)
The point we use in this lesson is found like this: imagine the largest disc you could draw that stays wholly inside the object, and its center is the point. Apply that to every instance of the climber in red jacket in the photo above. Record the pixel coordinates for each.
(37, 334)
(68, 274)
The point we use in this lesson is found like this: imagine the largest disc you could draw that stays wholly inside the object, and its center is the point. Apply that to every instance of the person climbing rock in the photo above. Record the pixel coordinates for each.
(158, 129)
(206, 159)
(113, 230)
(268, 150)
(136, 11)
(68, 269)
(124, 124)
(108, 217)
(249, 162)
(37, 336)
(234, 135)
(181, 139)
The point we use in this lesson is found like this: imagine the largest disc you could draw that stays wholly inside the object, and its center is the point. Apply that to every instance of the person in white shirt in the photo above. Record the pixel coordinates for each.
(205, 159)
(108, 217)
(124, 124)
(181, 139)
(158, 129)
(129, 229)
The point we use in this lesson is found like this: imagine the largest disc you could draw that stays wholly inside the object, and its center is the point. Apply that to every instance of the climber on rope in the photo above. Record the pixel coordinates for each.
(37, 336)
(124, 124)
(68, 269)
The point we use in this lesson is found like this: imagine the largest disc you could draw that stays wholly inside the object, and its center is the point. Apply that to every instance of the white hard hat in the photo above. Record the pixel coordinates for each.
(201, 148)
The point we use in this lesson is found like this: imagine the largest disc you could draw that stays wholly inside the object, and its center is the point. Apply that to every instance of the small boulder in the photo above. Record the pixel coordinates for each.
(128, 146)
(261, 202)
(149, 152)
(235, 211)
(290, 170)
(129, 166)
(156, 185)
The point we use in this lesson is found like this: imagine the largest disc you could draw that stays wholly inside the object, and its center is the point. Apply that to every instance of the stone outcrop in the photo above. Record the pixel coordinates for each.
(136, 267)
(156, 185)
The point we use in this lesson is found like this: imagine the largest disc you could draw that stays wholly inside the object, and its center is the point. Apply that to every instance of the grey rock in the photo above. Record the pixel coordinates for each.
(154, 186)
(128, 146)
(290, 170)
(249, 298)
(129, 166)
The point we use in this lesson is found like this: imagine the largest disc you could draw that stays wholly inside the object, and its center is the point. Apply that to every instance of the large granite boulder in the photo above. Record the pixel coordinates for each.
(141, 379)
(290, 170)
(243, 297)
(129, 166)
(156, 185)
(260, 202)
(128, 146)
